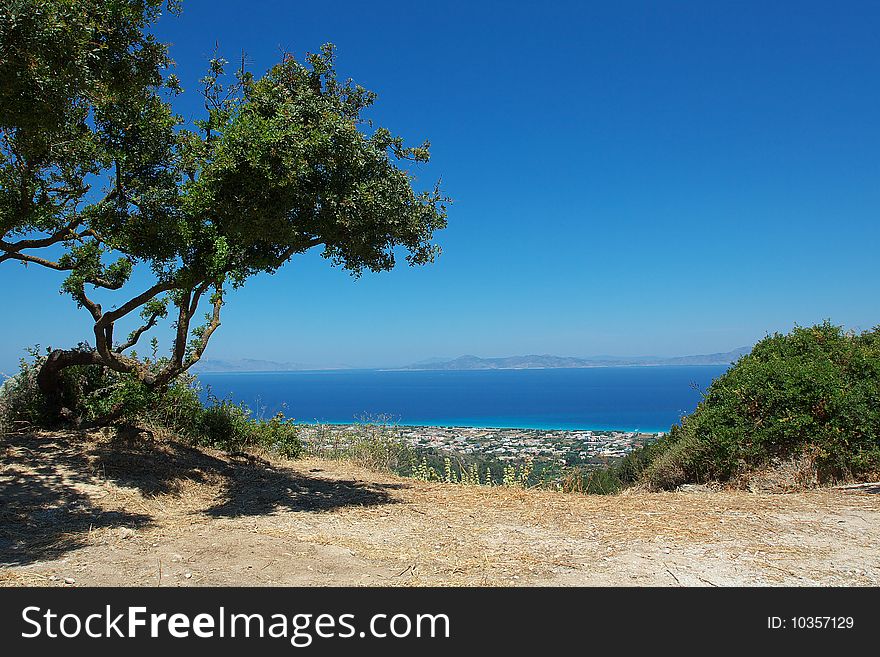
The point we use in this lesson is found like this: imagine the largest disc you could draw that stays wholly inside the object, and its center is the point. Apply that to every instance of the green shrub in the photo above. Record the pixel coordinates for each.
(679, 459)
(92, 392)
(21, 403)
(278, 434)
(225, 425)
(615, 476)
(89, 392)
(814, 390)
(179, 410)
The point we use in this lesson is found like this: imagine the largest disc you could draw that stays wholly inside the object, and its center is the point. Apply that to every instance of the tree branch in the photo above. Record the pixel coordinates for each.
(299, 248)
(183, 318)
(197, 295)
(97, 281)
(136, 335)
(112, 315)
(24, 257)
(212, 326)
(116, 361)
(91, 306)
(59, 236)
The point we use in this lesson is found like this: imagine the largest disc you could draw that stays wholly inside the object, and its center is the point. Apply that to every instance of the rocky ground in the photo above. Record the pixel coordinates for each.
(102, 509)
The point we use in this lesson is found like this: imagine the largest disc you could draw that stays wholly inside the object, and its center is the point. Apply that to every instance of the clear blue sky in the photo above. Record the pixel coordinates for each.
(629, 178)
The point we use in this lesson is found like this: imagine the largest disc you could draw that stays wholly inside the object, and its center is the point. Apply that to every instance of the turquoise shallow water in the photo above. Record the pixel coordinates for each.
(625, 398)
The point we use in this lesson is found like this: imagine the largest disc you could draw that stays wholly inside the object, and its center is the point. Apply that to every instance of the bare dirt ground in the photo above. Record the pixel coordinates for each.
(82, 510)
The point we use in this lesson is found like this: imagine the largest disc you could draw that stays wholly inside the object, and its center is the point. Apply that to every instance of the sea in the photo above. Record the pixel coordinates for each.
(646, 399)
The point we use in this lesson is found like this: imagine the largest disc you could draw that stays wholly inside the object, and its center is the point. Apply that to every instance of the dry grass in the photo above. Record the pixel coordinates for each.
(128, 509)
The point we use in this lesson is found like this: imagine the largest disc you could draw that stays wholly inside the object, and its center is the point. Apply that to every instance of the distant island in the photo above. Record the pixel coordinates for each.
(554, 362)
(530, 362)
(255, 365)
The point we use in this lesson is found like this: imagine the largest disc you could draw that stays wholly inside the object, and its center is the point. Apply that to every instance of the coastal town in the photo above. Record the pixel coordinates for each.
(562, 446)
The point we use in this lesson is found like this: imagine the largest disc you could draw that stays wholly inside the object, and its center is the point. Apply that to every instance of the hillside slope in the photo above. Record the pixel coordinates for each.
(102, 510)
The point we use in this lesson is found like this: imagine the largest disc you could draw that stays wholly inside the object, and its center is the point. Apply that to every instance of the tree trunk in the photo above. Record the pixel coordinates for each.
(50, 383)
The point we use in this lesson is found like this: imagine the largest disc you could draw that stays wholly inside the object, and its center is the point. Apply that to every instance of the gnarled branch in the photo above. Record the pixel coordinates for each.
(65, 233)
(212, 326)
(137, 333)
(97, 281)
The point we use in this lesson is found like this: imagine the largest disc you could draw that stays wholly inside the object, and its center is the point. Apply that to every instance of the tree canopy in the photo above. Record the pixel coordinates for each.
(98, 175)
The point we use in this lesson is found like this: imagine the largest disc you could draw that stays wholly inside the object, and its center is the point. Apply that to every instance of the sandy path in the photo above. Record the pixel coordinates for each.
(101, 511)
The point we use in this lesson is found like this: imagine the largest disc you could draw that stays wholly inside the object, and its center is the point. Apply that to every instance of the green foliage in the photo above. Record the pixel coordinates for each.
(286, 166)
(813, 392)
(21, 403)
(620, 473)
(231, 427)
(280, 435)
(81, 88)
(275, 166)
(226, 425)
(85, 389)
(177, 410)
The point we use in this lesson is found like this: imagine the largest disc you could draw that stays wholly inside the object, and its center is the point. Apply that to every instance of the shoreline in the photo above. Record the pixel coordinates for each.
(514, 444)
(467, 426)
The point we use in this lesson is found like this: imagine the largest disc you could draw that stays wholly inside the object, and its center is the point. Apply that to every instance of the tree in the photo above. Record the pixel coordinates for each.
(98, 176)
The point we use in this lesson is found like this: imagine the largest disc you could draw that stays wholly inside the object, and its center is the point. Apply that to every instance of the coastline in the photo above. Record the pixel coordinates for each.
(506, 444)
(468, 425)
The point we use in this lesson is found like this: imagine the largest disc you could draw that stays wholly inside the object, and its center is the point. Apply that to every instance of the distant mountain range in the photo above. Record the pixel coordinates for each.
(532, 362)
(253, 365)
(552, 362)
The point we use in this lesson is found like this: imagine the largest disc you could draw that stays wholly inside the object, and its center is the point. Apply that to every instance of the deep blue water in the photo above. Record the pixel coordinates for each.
(625, 398)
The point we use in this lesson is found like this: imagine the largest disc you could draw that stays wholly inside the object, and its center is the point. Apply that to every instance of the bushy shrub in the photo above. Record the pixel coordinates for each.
(810, 395)
(813, 390)
(226, 425)
(92, 392)
(21, 404)
(230, 426)
(89, 392)
(680, 458)
(179, 410)
(618, 474)
(280, 435)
